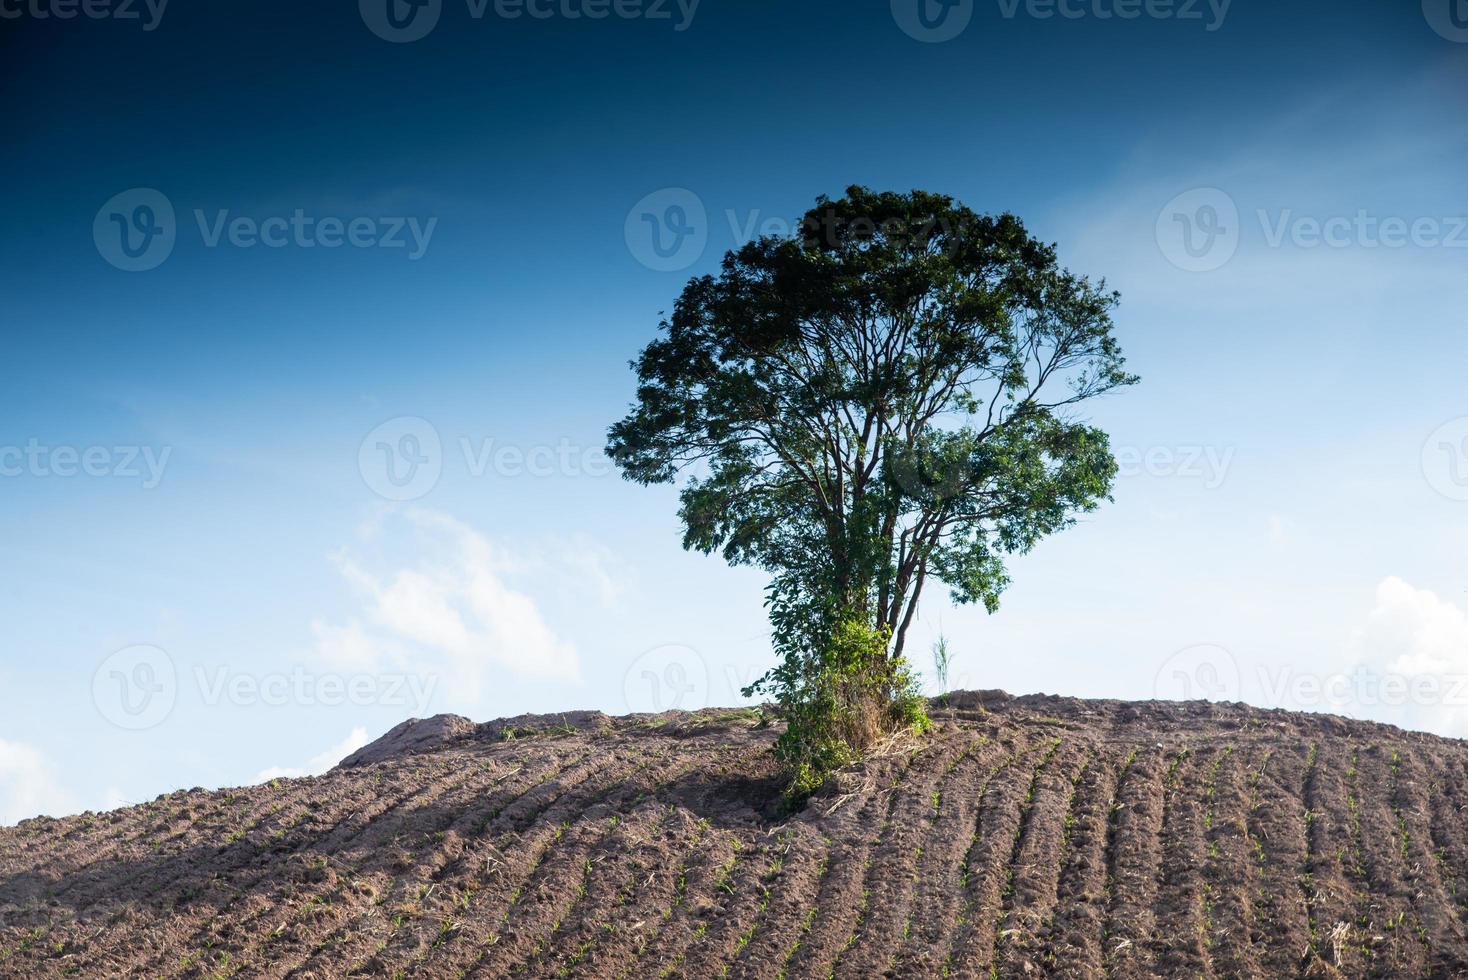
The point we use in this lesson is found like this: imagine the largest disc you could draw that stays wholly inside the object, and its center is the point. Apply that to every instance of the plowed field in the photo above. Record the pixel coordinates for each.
(1022, 838)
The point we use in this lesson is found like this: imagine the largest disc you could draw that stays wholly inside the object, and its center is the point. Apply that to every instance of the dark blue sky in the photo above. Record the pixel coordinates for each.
(529, 139)
(1308, 383)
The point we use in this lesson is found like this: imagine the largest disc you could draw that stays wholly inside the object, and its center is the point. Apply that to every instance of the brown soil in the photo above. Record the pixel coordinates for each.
(1024, 837)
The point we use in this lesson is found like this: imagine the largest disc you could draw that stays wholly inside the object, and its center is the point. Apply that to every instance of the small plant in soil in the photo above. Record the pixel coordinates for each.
(942, 657)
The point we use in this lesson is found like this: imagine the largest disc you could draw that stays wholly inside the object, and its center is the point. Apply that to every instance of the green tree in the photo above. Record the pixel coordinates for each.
(885, 396)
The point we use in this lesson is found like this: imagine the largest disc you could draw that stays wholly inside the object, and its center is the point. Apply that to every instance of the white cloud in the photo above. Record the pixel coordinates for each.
(113, 799)
(27, 788)
(1413, 631)
(1421, 639)
(446, 608)
(349, 647)
(1281, 529)
(319, 763)
(584, 567)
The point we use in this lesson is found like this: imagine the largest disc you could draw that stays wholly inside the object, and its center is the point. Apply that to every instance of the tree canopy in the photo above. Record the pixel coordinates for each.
(888, 395)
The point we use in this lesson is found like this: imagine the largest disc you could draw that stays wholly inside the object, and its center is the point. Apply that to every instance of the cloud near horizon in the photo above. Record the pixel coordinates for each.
(318, 763)
(444, 607)
(1416, 635)
(27, 787)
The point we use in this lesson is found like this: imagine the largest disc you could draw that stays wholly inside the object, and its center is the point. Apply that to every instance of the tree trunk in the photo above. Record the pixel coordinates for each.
(900, 637)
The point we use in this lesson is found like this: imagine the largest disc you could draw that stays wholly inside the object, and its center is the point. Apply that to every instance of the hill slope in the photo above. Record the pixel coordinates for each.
(1025, 837)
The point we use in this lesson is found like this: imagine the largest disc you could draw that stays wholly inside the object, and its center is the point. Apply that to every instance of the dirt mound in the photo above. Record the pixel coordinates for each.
(413, 735)
(1025, 837)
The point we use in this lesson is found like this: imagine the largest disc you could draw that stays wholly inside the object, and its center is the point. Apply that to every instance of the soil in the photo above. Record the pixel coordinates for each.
(1022, 837)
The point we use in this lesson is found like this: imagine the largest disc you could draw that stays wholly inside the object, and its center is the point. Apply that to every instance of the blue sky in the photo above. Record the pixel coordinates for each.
(1293, 509)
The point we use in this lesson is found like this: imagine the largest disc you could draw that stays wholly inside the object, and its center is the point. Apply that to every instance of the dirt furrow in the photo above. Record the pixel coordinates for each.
(1133, 857)
(711, 897)
(1332, 879)
(451, 886)
(1449, 832)
(1399, 940)
(892, 868)
(374, 869)
(340, 872)
(719, 942)
(1071, 940)
(693, 897)
(603, 875)
(651, 890)
(653, 831)
(617, 854)
(700, 884)
(1229, 872)
(109, 866)
(989, 866)
(510, 845)
(68, 855)
(535, 911)
(1432, 901)
(328, 875)
(935, 900)
(250, 865)
(1278, 853)
(1035, 885)
(639, 787)
(783, 923)
(1179, 941)
(854, 831)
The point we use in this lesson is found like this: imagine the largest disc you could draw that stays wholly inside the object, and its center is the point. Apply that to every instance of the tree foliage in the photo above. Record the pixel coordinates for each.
(886, 396)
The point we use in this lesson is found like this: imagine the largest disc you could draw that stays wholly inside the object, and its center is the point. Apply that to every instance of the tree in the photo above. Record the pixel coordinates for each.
(883, 397)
